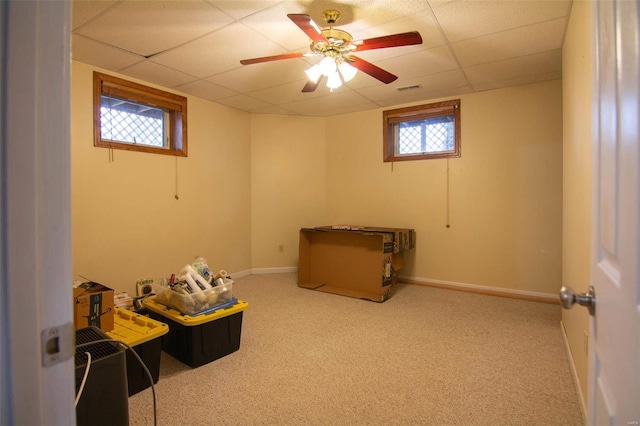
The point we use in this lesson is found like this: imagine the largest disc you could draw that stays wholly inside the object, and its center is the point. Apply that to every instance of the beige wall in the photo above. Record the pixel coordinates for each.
(576, 65)
(252, 181)
(288, 185)
(126, 223)
(505, 191)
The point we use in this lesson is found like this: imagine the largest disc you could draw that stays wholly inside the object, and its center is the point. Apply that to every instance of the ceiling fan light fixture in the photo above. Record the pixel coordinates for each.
(348, 71)
(327, 66)
(333, 82)
(336, 48)
(314, 73)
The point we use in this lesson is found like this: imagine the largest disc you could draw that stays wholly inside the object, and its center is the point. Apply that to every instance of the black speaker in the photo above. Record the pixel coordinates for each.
(104, 399)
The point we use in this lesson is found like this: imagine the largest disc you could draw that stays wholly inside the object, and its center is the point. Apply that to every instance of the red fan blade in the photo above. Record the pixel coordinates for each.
(309, 27)
(311, 86)
(403, 39)
(271, 58)
(373, 70)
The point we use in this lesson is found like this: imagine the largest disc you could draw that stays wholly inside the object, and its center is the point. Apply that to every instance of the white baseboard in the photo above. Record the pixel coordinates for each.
(478, 288)
(574, 373)
(274, 270)
(552, 298)
(241, 273)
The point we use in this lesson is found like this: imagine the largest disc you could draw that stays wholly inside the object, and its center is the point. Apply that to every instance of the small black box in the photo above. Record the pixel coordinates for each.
(198, 340)
(104, 399)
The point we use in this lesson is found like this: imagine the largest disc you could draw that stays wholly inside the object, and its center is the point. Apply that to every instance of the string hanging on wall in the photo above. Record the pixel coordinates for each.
(448, 224)
(176, 188)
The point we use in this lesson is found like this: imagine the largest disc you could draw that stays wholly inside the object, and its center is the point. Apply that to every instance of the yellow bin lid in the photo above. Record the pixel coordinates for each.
(189, 320)
(134, 329)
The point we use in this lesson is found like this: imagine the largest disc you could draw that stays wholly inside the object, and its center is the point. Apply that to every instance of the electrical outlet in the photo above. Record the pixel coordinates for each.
(281, 248)
(586, 343)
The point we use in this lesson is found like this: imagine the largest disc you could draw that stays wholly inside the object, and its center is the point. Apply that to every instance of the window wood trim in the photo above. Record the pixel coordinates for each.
(395, 116)
(175, 105)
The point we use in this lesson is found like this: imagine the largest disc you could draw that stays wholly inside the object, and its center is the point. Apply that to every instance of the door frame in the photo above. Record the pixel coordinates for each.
(35, 206)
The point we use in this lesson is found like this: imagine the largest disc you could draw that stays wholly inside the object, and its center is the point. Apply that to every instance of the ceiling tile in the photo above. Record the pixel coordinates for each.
(338, 99)
(465, 19)
(438, 3)
(435, 82)
(538, 63)
(345, 110)
(100, 55)
(273, 110)
(240, 9)
(356, 15)
(511, 43)
(253, 77)
(158, 74)
(204, 89)
(274, 24)
(288, 92)
(243, 102)
(529, 79)
(85, 10)
(431, 36)
(428, 97)
(219, 51)
(424, 62)
(150, 27)
(468, 45)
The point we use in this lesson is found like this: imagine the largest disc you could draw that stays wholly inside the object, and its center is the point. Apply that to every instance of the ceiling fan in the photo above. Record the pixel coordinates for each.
(337, 46)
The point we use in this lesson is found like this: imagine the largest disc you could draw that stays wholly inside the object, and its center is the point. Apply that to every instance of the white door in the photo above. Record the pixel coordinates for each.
(614, 355)
(36, 321)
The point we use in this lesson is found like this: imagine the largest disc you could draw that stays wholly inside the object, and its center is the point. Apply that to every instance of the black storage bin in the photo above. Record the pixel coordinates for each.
(197, 340)
(150, 354)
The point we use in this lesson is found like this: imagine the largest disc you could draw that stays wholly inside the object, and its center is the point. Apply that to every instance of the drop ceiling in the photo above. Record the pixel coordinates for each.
(195, 47)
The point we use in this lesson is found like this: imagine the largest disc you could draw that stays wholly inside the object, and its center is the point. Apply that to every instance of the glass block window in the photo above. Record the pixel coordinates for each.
(422, 132)
(130, 122)
(134, 117)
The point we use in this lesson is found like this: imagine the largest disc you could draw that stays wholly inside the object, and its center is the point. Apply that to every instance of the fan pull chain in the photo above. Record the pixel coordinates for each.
(448, 224)
(176, 189)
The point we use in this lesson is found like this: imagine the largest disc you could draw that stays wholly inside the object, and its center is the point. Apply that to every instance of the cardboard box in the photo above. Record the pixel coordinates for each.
(93, 306)
(357, 262)
(402, 238)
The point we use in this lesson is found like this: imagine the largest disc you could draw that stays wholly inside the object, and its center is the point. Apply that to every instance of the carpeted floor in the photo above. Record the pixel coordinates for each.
(426, 356)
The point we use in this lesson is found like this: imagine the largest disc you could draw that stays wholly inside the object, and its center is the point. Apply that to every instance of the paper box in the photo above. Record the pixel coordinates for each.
(402, 238)
(93, 306)
(358, 262)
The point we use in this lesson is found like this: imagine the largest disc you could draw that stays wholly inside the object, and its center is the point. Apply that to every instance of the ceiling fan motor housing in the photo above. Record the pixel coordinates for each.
(339, 43)
(330, 16)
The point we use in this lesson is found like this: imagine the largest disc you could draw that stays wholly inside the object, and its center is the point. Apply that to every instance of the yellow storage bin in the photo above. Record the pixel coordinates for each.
(143, 334)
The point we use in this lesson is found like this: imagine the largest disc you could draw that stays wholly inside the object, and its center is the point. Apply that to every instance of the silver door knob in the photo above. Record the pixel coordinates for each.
(568, 298)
